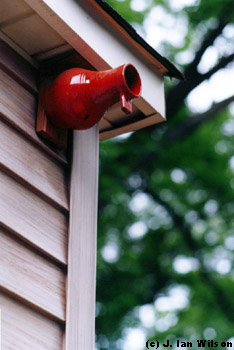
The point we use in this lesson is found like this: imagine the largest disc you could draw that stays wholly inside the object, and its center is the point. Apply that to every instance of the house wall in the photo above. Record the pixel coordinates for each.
(33, 217)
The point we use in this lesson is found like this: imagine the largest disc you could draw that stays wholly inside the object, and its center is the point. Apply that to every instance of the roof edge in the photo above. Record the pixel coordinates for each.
(173, 71)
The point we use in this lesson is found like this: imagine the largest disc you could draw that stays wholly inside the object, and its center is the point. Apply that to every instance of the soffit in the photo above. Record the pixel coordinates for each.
(24, 29)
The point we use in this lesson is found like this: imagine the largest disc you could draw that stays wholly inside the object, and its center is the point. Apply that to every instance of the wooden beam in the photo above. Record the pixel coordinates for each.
(80, 318)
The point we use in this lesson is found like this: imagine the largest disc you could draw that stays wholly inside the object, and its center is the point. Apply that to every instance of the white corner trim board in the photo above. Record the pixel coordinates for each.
(101, 47)
(81, 283)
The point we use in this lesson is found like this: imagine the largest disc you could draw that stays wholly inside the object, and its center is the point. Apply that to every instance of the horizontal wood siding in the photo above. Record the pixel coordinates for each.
(34, 210)
(33, 219)
(17, 103)
(18, 67)
(32, 166)
(31, 277)
(25, 329)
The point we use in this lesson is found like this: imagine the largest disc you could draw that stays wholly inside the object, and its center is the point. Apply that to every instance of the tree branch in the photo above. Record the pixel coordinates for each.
(224, 18)
(221, 64)
(226, 306)
(190, 125)
(178, 94)
(209, 39)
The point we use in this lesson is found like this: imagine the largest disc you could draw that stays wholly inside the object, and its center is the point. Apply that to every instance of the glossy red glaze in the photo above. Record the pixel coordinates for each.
(78, 98)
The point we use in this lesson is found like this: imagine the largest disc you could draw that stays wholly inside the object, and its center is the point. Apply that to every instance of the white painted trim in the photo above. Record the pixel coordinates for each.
(102, 48)
(81, 284)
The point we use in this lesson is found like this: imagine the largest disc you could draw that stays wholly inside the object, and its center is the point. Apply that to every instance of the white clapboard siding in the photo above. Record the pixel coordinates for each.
(25, 329)
(33, 166)
(33, 219)
(31, 277)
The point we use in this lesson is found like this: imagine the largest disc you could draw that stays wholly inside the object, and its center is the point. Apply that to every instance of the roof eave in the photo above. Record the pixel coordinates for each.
(171, 70)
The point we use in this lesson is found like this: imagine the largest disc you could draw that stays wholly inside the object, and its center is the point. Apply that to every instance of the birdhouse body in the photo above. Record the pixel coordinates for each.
(79, 98)
(48, 206)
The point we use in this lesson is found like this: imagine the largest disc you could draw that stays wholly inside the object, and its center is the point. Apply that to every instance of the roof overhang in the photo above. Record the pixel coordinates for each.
(105, 40)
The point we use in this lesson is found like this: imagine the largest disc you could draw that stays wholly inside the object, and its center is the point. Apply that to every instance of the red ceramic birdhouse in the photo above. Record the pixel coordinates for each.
(78, 98)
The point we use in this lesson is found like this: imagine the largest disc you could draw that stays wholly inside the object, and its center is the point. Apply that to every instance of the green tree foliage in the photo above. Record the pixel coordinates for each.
(166, 209)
